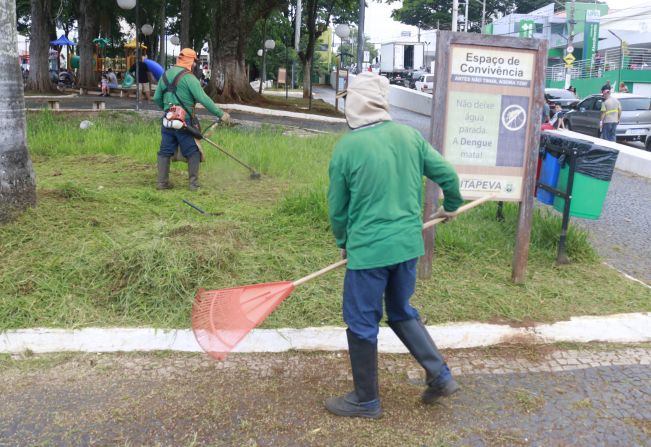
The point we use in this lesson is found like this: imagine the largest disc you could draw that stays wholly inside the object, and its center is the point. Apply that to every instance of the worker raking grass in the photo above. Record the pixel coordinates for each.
(376, 176)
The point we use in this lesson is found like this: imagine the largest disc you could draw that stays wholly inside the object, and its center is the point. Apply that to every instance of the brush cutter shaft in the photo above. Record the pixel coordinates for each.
(231, 156)
(428, 224)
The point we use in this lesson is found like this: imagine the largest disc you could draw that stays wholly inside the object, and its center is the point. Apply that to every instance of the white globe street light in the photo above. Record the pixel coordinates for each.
(270, 44)
(342, 31)
(175, 40)
(260, 52)
(147, 29)
(127, 4)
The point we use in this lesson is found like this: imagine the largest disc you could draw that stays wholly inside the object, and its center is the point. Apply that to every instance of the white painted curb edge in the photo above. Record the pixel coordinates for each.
(622, 328)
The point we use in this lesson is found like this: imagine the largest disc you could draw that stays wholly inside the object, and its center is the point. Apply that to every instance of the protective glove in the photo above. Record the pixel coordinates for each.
(226, 118)
(442, 214)
(344, 255)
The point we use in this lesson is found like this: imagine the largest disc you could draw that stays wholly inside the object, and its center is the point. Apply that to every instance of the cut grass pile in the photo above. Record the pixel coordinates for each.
(103, 247)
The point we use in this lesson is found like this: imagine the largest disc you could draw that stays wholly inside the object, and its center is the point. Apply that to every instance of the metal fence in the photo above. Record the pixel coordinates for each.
(609, 60)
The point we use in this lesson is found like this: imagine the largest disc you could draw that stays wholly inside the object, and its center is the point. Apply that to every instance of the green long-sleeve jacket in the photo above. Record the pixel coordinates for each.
(188, 90)
(375, 194)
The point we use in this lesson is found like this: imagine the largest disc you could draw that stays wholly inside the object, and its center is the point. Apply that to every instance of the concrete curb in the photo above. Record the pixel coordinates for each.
(620, 328)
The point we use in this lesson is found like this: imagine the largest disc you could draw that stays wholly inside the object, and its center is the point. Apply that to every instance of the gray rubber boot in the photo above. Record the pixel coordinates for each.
(364, 400)
(163, 164)
(193, 171)
(415, 337)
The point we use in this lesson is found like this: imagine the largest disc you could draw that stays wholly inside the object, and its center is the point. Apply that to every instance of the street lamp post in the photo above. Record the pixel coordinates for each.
(174, 40)
(342, 31)
(130, 4)
(269, 44)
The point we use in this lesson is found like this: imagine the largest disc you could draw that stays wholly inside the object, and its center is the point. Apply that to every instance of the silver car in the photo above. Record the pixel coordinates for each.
(635, 123)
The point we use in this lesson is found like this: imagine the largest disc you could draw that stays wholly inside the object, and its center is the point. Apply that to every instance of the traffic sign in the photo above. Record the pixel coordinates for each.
(570, 49)
(569, 59)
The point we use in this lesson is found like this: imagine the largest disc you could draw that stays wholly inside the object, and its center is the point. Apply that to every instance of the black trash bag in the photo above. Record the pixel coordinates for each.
(598, 162)
(592, 159)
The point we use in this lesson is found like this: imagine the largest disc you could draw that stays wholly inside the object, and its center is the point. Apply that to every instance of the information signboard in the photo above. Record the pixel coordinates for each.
(486, 118)
(488, 106)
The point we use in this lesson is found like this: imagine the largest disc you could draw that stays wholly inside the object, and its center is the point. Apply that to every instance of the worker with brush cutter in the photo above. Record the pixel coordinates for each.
(177, 93)
(374, 200)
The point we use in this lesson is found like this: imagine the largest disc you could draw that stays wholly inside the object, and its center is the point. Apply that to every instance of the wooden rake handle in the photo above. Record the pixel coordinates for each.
(428, 224)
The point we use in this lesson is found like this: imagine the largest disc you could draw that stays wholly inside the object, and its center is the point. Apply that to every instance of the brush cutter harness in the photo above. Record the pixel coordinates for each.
(176, 116)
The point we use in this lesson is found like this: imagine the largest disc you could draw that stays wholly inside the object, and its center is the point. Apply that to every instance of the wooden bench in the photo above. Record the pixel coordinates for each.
(99, 104)
(53, 104)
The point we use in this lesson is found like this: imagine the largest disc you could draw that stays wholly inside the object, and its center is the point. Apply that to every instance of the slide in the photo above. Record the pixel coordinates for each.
(155, 68)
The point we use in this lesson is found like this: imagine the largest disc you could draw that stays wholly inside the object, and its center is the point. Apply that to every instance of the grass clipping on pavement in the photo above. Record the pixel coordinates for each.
(103, 247)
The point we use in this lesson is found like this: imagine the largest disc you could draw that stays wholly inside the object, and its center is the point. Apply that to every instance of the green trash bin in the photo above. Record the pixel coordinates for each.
(594, 170)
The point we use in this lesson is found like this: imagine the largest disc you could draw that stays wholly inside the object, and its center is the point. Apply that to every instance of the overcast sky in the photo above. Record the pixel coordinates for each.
(381, 28)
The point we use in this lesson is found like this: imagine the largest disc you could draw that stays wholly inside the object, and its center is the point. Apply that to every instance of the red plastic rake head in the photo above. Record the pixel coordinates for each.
(222, 318)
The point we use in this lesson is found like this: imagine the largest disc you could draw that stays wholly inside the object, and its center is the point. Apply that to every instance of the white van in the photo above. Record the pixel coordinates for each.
(425, 83)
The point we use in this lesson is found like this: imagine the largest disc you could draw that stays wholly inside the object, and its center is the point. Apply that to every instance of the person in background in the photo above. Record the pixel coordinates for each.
(374, 205)
(623, 88)
(611, 112)
(557, 118)
(112, 80)
(104, 86)
(143, 77)
(606, 86)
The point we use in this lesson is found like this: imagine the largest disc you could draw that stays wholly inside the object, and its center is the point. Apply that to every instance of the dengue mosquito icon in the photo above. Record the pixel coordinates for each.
(514, 117)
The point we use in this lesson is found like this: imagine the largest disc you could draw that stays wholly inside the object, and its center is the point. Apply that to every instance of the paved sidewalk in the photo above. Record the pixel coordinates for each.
(595, 395)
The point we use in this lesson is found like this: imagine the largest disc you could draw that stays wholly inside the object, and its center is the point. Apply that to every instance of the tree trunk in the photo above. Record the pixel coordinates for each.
(186, 21)
(307, 77)
(17, 181)
(230, 28)
(88, 29)
(229, 81)
(39, 45)
(162, 51)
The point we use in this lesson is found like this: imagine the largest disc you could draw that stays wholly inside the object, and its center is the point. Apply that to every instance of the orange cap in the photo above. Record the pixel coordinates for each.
(186, 58)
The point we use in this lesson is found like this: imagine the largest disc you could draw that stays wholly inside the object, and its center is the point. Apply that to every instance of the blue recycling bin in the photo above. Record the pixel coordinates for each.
(548, 176)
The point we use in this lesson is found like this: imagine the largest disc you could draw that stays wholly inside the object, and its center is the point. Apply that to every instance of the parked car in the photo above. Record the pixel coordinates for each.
(414, 77)
(398, 79)
(635, 123)
(565, 98)
(425, 83)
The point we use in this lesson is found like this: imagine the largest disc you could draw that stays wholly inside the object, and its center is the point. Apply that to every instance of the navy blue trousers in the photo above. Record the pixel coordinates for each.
(363, 292)
(171, 138)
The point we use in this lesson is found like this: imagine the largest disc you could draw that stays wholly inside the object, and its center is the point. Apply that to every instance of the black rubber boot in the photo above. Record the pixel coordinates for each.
(163, 164)
(364, 400)
(415, 337)
(193, 171)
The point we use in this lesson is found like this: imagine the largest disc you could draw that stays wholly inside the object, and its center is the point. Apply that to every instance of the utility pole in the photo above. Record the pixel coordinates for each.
(297, 34)
(360, 37)
(455, 14)
(568, 74)
(483, 15)
(465, 18)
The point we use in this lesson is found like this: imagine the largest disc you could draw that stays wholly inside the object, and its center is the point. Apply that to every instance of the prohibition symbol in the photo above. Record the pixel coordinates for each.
(514, 117)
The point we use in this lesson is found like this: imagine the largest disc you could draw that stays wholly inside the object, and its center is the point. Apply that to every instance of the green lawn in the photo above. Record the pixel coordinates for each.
(103, 247)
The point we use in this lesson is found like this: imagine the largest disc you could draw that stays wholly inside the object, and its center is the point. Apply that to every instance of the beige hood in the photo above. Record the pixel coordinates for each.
(367, 100)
